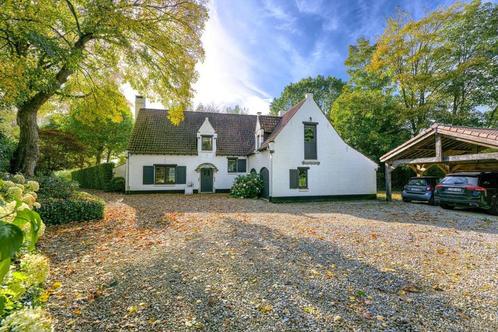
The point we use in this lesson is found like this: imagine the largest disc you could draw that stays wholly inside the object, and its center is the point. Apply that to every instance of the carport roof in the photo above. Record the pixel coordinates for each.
(456, 139)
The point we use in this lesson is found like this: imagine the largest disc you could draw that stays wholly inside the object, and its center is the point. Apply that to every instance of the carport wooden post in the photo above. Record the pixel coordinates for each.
(387, 177)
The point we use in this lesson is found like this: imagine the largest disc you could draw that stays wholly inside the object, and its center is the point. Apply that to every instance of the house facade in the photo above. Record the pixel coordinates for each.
(298, 155)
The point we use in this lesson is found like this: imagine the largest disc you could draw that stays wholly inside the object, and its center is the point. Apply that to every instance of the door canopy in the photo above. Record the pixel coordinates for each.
(206, 165)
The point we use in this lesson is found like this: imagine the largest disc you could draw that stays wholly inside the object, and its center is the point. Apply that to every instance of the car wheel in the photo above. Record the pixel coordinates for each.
(447, 207)
(494, 207)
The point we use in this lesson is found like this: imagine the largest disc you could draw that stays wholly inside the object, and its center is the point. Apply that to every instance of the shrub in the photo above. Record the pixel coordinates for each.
(79, 207)
(55, 187)
(247, 186)
(7, 148)
(95, 177)
(27, 320)
(117, 184)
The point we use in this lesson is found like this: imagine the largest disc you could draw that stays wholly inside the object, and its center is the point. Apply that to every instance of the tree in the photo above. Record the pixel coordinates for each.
(213, 108)
(324, 89)
(366, 114)
(103, 133)
(59, 150)
(442, 66)
(368, 120)
(47, 48)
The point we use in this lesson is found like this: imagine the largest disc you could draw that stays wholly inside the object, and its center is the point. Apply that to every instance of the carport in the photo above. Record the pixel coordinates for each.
(451, 148)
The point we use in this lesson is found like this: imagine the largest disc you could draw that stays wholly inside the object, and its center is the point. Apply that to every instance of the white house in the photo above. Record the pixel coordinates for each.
(298, 155)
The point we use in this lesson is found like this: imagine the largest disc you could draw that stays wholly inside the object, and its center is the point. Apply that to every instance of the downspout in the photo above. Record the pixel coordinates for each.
(127, 170)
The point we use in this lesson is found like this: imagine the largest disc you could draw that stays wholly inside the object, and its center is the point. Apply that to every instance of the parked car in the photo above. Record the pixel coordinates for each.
(469, 189)
(420, 189)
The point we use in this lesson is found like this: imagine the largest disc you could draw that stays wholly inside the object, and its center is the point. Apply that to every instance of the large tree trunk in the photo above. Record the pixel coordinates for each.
(27, 152)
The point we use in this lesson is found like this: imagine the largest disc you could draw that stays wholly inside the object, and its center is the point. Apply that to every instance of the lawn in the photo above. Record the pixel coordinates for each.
(210, 262)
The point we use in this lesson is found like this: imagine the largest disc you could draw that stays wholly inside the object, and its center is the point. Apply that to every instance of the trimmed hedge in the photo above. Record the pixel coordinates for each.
(95, 177)
(80, 207)
(117, 184)
(55, 187)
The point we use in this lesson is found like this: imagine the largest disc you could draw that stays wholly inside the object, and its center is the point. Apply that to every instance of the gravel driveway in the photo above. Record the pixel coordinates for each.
(163, 262)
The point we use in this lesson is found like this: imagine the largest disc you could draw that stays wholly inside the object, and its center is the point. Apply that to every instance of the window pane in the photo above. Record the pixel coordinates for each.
(207, 144)
(309, 133)
(232, 165)
(170, 175)
(303, 178)
(160, 175)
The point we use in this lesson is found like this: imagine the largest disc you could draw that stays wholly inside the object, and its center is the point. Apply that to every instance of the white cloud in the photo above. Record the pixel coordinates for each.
(225, 77)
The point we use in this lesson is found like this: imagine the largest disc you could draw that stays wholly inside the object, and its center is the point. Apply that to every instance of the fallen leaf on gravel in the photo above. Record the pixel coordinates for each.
(310, 310)
(265, 308)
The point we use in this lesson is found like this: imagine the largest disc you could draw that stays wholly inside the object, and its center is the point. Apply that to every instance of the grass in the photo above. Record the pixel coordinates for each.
(381, 195)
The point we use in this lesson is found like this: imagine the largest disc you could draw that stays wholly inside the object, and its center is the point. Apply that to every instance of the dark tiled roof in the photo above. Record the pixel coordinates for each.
(284, 120)
(155, 134)
(268, 122)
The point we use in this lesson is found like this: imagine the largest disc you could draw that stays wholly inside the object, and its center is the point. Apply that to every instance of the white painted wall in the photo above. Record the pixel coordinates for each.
(222, 179)
(342, 170)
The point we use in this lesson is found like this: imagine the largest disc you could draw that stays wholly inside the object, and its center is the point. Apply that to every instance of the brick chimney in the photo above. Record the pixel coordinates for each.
(139, 104)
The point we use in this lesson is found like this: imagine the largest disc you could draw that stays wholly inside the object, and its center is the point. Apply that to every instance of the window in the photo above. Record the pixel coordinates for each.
(310, 141)
(302, 178)
(298, 178)
(236, 165)
(258, 142)
(232, 165)
(207, 143)
(165, 174)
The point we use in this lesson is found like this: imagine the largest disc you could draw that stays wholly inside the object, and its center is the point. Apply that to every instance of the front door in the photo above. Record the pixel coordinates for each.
(206, 180)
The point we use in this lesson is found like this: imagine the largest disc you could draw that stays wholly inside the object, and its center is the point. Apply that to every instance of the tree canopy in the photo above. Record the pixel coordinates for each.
(325, 90)
(442, 66)
(66, 48)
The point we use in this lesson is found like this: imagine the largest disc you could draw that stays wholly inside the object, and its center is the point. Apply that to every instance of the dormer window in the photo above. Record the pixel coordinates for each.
(207, 143)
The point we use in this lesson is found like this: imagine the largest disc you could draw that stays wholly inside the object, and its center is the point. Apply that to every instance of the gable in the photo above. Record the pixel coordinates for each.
(155, 134)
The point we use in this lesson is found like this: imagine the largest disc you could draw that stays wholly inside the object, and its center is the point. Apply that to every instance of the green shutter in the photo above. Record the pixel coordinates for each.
(293, 179)
(148, 175)
(241, 165)
(181, 174)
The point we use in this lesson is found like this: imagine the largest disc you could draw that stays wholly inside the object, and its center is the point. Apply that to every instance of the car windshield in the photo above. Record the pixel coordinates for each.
(460, 180)
(417, 182)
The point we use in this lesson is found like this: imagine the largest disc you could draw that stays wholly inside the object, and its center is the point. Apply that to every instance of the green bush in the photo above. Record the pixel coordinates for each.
(79, 207)
(7, 148)
(117, 184)
(95, 177)
(55, 187)
(247, 186)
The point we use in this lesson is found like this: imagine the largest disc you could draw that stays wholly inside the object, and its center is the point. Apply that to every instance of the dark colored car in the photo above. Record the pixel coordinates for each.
(469, 189)
(420, 189)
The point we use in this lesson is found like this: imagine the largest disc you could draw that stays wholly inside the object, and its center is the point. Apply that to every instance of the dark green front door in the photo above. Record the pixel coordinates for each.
(206, 180)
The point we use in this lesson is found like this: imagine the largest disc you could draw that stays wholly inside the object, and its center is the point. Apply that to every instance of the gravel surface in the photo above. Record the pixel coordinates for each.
(163, 262)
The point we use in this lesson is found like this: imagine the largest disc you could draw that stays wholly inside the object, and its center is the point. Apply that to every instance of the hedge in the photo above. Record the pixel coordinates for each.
(80, 207)
(95, 177)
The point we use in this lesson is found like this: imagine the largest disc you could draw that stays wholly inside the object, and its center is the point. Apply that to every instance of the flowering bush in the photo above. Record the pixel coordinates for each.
(28, 320)
(247, 186)
(22, 271)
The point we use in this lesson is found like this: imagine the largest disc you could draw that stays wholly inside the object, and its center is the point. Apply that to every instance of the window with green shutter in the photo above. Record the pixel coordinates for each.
(148, 175)
(236, 165)
(293, 179)
(310, 141)
(298, 178)
(181, 174)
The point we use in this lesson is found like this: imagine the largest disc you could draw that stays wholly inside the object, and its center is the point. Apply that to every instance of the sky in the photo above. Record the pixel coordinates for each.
(254, 48)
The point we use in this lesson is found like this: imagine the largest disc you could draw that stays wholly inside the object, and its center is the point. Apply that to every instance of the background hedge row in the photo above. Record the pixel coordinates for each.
(95, 177)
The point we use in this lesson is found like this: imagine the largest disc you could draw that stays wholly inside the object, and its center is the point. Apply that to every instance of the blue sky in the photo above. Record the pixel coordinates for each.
(256, 47)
